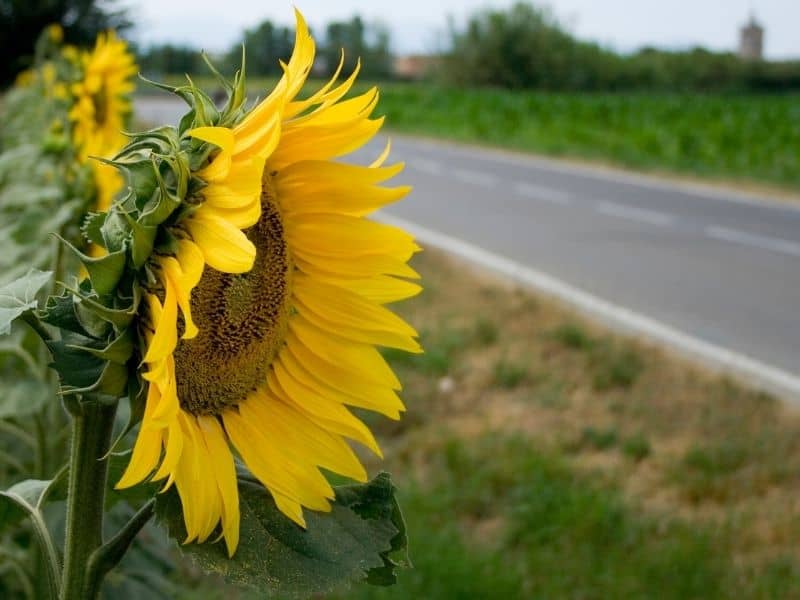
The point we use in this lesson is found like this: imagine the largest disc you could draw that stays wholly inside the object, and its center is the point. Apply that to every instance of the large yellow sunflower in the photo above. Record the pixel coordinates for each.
(261, 329)
(100, 108)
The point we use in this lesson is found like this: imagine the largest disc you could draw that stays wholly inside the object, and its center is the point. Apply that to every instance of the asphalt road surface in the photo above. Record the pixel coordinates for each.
(710, 265)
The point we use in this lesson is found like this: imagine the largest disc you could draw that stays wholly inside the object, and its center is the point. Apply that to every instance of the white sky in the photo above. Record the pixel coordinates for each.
(419, 25)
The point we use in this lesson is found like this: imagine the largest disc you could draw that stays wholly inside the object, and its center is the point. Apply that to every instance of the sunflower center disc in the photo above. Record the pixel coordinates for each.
(242, 321)
(100, 102)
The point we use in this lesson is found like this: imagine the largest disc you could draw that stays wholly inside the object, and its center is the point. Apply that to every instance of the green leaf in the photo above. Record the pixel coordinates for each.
(24, 397)
(19, 296)
(377, 501)
(24, 499)
(280, 558)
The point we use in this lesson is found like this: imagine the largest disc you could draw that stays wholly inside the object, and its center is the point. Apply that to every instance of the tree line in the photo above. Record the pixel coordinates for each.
(526, 47)
(267, 43)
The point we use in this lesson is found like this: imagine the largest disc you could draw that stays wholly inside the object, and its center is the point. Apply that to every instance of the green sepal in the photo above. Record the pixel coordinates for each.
(118, 351)
(93, 324)
(76, 368)
(19, 296)
(142, 177)
(186, 122)
(91, 228)
(119, 317)
(111, 378)
(206, 113)
(165, 201)
(280, 558)
(142, 239)
(161, 140)
(115, 232)
(60, 312)
(105, 271)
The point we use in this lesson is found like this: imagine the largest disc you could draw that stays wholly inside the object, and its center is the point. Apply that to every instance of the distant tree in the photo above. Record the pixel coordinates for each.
(526, 47)
(266, 44)
(369, 43)
(21, 22)
(164, 59)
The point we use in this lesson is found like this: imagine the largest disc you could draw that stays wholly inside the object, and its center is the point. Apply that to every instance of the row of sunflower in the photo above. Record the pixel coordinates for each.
(212, 335)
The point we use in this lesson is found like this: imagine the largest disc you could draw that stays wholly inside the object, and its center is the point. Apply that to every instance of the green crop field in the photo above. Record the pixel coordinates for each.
(753, 138)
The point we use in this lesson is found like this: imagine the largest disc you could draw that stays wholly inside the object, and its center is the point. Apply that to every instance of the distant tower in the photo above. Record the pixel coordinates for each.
(751, 40)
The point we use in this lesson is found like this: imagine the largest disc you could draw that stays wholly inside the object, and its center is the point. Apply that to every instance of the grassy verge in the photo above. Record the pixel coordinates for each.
(542, 457)
(735, 138)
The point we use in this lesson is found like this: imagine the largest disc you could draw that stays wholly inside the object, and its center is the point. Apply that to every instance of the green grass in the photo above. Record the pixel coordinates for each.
(501, 518)
(599, 439)
(508, 374)
(572, 335)
(636, 447)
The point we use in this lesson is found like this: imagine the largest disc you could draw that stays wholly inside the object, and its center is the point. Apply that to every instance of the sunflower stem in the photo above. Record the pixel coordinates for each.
(92, 427)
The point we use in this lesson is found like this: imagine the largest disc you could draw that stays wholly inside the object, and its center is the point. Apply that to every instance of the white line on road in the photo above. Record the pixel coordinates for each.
(617, 175)
(753, 240)
(540, 192)
(474, 177)
(765, 376)
(633, 213)
(431, 167)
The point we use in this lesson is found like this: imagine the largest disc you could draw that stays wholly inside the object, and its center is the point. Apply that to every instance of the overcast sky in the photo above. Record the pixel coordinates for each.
(418, 25)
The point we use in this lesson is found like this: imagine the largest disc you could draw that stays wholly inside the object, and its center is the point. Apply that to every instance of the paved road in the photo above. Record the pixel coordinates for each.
(717, 266)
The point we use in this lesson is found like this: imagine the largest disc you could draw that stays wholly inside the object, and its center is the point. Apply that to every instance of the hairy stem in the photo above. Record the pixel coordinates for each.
(91, 438)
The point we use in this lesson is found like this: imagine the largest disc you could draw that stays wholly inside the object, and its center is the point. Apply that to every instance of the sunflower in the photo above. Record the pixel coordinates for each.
(261, 328)
(100, 108)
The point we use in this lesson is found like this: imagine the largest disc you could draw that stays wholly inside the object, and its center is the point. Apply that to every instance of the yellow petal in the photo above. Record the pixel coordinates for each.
(225, 475)
(362, 360)
(325, 411)
(224, 246)
(329, 382)
(220, 164)
(165, 337)
(183, 291)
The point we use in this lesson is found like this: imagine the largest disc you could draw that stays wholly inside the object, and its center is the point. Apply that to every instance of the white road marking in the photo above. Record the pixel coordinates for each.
(474, 177)
(748, 369)
(634, 213)
(540, 192)
(755, 241)
(431, 167)
(564, 166)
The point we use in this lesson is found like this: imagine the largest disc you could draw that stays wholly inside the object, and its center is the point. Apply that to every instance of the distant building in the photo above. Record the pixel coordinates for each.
(751, 40)
(415, 66)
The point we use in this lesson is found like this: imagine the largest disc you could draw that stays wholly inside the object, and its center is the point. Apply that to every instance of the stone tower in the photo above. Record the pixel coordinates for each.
(751, 40)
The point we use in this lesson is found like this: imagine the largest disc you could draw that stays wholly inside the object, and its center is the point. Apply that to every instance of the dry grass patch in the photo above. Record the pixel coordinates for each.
(674, 438)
